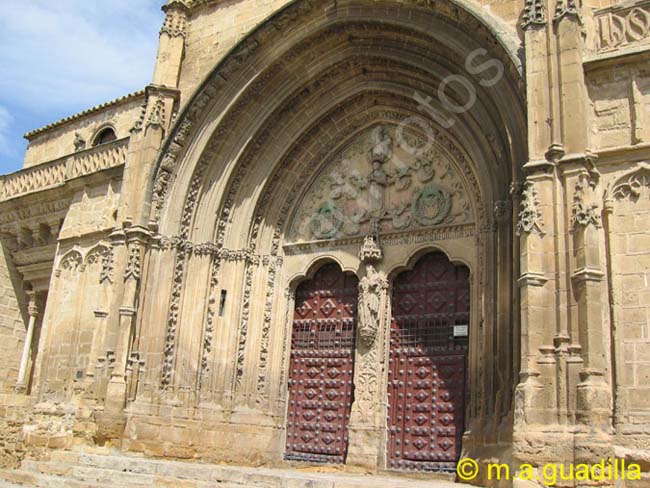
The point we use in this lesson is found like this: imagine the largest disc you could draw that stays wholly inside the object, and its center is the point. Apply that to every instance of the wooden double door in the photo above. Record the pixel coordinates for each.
(427, 387)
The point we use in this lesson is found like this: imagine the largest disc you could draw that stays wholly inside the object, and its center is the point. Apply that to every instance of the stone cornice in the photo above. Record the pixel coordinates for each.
(587, 274)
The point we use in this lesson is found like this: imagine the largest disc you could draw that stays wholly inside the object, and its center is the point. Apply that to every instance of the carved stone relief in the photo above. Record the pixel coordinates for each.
(585, 210)
(392, 181)
(622, 26)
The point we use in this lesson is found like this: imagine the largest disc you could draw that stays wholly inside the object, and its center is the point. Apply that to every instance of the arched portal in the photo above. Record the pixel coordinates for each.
(321, 366)
(428, 375)
(313, 138)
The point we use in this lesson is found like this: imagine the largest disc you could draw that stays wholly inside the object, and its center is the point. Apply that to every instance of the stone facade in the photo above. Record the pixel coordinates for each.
(149, 283)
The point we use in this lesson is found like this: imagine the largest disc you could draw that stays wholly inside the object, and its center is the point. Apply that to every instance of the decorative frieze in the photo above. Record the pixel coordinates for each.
(618, 27)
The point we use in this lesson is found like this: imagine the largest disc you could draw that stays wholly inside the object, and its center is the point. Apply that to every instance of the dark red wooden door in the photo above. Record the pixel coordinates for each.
(322, 367)
(428, 365)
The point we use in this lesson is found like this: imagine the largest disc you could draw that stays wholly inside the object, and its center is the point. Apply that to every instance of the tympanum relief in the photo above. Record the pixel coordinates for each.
(386, 180)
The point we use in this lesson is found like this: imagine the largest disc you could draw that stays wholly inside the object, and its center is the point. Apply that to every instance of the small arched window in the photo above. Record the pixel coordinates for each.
(104, 136)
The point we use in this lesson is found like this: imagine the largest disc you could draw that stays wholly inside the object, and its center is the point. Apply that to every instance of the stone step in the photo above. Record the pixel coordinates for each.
(84, 469)
(26, 478)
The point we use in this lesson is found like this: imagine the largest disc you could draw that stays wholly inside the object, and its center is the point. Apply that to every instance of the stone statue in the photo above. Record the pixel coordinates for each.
(79, 142)
(371, 290)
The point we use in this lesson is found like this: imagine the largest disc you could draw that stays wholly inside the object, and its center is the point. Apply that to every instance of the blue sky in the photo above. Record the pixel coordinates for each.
(60, 57)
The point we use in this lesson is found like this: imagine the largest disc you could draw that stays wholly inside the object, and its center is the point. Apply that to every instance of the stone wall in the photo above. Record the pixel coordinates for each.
(59, 141)
(12, 323)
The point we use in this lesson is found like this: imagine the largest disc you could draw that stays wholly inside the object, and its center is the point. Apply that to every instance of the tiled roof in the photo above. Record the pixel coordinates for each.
(97, 108)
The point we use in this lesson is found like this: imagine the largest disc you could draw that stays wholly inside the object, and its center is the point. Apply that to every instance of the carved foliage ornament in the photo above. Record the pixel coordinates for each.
(133, 266)
(530, 215)
(585, 211)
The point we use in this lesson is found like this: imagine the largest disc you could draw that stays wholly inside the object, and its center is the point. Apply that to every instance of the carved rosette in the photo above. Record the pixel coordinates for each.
(530, 216)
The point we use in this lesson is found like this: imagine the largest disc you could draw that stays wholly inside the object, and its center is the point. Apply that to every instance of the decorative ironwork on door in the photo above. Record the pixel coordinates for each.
(428, 362)
(322, 367)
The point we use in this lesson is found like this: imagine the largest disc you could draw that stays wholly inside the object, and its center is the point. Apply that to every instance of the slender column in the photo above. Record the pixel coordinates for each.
(32, 311)
(593, 393)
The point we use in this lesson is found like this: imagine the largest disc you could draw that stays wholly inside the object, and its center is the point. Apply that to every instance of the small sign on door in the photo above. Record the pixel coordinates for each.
(461, 330)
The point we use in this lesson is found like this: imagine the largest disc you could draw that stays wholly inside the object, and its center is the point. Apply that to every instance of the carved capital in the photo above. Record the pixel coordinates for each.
(32, 309)
(132, 271)
(532, 279)
(585, 275)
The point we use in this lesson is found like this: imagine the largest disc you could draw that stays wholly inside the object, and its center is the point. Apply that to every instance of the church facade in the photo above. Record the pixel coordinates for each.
(383, 234)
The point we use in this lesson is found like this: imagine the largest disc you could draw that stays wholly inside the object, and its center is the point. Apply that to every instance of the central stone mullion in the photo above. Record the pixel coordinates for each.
(368, 418)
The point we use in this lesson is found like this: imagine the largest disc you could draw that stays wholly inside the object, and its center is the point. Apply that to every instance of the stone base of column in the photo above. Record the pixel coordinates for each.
(529, 400)
(594, 400)
(365, 447)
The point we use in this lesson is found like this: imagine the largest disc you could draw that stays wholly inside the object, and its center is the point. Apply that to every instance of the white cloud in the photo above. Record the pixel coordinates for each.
(7, 149)
(72, 54)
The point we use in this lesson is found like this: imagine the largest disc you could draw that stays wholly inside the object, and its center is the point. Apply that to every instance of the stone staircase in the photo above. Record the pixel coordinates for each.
(72, 469)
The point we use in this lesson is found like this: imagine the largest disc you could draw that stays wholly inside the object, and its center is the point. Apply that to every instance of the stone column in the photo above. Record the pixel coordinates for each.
(367, 425)
(532, 402)
(32, 311)
(136, 238)
(593, 393)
